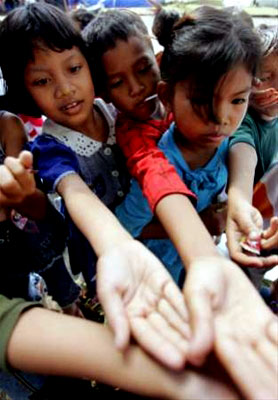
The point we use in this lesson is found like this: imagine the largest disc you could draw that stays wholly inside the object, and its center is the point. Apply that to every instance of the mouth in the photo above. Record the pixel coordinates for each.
(71, 107)
(215, 137)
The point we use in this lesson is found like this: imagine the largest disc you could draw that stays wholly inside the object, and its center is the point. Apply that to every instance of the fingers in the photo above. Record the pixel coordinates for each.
(24, 179)
(117, 319)
(251, 371)
(165, 309)
(112, 302)
(26, 159)
(176, 299)
(270, 235)
(164, 343)
(272, 331)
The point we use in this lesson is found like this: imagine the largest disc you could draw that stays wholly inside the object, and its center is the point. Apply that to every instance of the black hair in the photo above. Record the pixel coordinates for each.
(204, 46)
(102, 34)
(82, 17)
(24, 29)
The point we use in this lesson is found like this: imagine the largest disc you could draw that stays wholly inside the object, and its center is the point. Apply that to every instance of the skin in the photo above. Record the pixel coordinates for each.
(198, 139)
(264, 97)
(243, 218)
(132, 75)
(78, 354)
(204, 296)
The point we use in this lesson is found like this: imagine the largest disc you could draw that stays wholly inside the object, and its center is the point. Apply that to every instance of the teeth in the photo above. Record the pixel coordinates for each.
(71, 105)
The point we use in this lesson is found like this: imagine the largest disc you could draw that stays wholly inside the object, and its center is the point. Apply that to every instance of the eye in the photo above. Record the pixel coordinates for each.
(115, 84)
(75, 68)
(41, 82)
(239, 101)
(264, 78)
(145, 68)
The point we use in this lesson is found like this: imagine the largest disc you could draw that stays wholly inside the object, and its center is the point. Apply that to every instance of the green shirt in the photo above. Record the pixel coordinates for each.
(263, 136)
(10, 311)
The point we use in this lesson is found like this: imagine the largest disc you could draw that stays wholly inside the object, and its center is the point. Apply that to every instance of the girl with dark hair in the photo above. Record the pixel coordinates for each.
(129, 76)
(77, 158)
(253, 196)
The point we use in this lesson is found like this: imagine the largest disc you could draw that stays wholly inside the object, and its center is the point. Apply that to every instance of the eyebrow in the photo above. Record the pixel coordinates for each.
(42, 68)
(117, 74)
(247, 89)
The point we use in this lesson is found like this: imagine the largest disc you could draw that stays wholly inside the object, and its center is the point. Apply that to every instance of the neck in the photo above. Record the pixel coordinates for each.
(195, 155)
(96, 127)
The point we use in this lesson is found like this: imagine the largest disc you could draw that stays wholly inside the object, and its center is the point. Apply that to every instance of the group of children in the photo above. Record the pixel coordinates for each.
(113, 111)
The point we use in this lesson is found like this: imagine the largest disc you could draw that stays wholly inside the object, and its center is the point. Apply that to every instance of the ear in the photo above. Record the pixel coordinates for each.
(165, 95)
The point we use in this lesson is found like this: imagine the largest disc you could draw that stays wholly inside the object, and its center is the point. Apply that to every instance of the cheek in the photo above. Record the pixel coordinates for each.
(240, 115)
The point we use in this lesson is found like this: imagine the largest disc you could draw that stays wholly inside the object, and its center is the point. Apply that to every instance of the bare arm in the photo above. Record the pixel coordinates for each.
(87, 350)
(243, 218)
(242, 164)
(185, 228)
(91, 216)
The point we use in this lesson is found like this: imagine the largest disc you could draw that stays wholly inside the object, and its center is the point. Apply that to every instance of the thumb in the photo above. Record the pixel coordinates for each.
(201, 321)
(115, 312)
(251, 225)
(26, 159)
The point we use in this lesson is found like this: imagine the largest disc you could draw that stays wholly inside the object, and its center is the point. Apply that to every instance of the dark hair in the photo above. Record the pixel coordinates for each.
(202, 47)
(24, 29)
(102, 33)
(82, 17)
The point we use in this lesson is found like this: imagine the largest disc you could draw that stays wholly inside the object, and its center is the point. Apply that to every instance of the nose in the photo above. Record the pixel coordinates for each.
(135, 87)
(222, 115)
(64, 89)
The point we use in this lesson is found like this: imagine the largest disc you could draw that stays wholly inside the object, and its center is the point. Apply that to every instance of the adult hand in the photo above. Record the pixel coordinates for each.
(140, 297)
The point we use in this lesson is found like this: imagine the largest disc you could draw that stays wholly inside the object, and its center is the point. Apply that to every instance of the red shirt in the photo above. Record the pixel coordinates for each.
(145, 161)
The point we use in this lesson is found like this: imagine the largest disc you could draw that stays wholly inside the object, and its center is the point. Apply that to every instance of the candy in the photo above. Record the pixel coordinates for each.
(251, 245)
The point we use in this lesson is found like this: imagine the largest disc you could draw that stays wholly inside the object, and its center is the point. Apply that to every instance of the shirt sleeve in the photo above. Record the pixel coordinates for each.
(134, 212)
(10, 311)
(157, 177)
(53, 160)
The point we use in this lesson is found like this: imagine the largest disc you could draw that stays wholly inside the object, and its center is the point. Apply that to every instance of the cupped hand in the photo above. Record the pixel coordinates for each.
(245, 220)
(140, 298)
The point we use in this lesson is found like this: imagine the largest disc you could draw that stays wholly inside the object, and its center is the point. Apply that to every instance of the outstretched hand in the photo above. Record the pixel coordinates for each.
(228, 315)
(16, 179)
(140, 298)
(246, 339)
(245, 220)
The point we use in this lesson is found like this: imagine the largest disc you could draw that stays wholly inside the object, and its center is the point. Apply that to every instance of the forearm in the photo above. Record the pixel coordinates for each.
(97, 223)
(72, 347)
(185, 228)
(242, 165)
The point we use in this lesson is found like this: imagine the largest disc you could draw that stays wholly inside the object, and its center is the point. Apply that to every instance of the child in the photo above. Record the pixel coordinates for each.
(76, 157)
(133, 286)
(32, 238)
(253, 149)
(122, 52)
